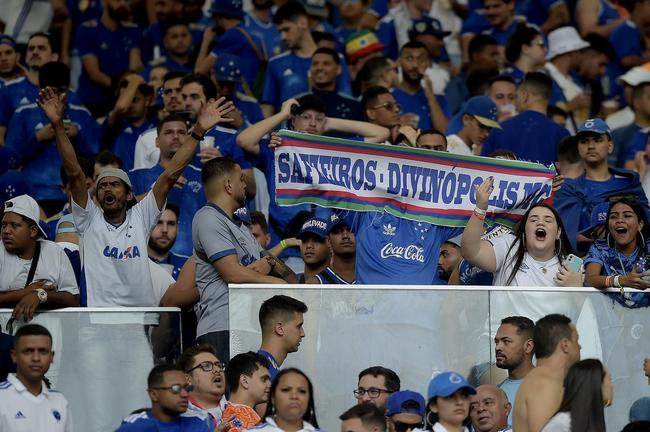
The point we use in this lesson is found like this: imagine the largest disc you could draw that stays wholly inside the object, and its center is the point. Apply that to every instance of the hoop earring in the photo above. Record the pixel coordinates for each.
(428, 419)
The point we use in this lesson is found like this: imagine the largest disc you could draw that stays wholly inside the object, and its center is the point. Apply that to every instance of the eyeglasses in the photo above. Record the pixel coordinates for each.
(403, 427)
(176, 388)
(308, 118)
(373, 392)
(207, 366)
(390, 106)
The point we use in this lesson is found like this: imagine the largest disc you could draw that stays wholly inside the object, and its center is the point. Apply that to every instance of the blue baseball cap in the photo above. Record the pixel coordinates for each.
(228, 68)
(317, 226)
(596, 126)
(598, 218)
(448, 383)
(427, 25)
(228, 8)
(335, 222)
(398, 398)
(243, 215)
(484, 110)
(7, 40)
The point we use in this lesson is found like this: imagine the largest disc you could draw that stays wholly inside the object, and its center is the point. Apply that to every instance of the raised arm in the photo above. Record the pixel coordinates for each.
(476, 251)
(53, 105)
(124, 100)
(371, 132)
(213, 113)
(249, 139)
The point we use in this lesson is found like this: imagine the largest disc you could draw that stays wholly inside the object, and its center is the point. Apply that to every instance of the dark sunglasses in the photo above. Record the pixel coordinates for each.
(176, 388)
(403, 427)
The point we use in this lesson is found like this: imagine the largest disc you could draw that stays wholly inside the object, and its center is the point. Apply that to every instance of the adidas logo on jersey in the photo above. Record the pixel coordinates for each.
(130, 252)
(389, 230)
(20, 415)
(24, 101)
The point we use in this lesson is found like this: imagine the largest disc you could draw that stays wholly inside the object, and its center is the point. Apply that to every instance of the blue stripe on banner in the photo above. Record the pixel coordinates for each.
(22, 17)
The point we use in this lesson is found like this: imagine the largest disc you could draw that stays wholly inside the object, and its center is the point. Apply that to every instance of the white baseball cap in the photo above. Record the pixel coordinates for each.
(635, 76)
(26, 206)
(564, 40)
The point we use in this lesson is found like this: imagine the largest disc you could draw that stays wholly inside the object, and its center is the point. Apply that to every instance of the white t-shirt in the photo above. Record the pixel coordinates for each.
(112, 257)
(456, 145)
(530, 273)
(146, 153)
(53, 266)
(160, 280)
(269, 425)
(21, 411)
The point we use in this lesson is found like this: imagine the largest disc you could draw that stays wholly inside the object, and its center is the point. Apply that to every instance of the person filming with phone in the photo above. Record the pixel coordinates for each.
(621, 258)
(537, 253)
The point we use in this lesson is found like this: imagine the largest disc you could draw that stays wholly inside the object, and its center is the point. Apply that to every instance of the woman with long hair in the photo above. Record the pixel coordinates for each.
(448, 403)
(621, 258)
(587, 391)
(291, 405)
(533, 255)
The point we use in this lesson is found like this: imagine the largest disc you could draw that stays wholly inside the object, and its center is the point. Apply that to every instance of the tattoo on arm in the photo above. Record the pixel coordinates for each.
(280, 269)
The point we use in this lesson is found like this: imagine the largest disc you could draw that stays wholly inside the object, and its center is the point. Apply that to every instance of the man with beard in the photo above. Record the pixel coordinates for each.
(226, 252)
(9, 57)
(249, 382)
(115, 233)
(258, 21)
(107, 47)
(177, 41)
(449, 259)
(232, 38)
(187, 192)
(162, 240)
(426, 109)
(169, 393)
(24, 91)
(314, 250)
(514, 349)
(146, 153)
(206, 373)
(341, 241)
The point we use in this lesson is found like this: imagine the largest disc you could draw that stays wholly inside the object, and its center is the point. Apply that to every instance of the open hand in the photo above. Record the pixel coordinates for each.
(52, 103)
(209, 153)
(215, 112)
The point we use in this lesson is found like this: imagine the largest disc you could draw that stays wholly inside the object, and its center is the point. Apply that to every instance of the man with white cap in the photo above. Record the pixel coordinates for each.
(632, 78)
(564, 57)
(33, 270)
(114, 233)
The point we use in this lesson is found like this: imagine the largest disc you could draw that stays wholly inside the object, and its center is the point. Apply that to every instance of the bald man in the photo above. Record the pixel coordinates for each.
(489, 409)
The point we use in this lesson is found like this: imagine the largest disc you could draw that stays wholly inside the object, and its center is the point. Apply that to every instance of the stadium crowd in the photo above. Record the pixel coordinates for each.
(137, 145)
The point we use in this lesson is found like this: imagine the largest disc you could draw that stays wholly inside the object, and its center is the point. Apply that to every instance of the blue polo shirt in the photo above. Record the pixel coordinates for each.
(20, 92)
(189, 197)
(153, 37)
(249, 108)
(234, 41)
(388, 248)
(223, 139)
(537, 11)
(123, 144)
(174, 262)
(287, 76)
(112, 50)
(627, 41)
(417, 104)
(637, 143)
(146, 422)
(530, 136)
(40, 160)
(501, 36)
(623, 139)
(475, 23)
(266, 32)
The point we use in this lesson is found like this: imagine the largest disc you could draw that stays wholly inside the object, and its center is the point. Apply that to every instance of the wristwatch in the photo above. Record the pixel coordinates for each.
(42, 295)
(195, 135)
